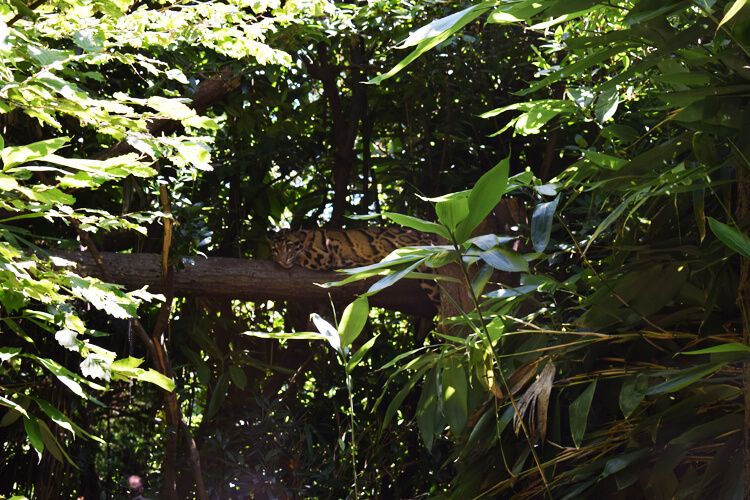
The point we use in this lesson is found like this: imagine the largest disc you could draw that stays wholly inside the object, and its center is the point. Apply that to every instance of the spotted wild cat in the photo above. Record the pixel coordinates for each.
(326, 249)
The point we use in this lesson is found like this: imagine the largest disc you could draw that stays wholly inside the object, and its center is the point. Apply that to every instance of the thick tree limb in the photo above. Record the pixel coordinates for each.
(252, 280)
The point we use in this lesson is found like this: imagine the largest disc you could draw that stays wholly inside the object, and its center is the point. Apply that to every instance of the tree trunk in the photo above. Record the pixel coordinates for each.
(243, 279)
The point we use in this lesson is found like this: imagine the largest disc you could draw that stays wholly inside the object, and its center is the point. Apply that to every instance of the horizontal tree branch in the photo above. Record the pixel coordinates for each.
(244, 279)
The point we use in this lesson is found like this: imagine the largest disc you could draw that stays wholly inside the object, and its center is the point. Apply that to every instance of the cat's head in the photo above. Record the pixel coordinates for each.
(286, 246)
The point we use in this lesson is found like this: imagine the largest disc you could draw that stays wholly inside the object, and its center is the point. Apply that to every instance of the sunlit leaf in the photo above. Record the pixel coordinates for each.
(327, 331)
(353, 320)
(453, 393)
(35, 435)
(16, 155)
(483, 197)
(541, 224)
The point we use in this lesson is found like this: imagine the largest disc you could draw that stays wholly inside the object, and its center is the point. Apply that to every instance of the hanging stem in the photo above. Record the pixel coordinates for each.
(486, 338)
(351, 430)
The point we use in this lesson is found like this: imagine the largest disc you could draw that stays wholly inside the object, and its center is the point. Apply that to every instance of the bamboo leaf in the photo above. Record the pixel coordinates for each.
(35, 436)
(733, 347)
(731, 237)
(483, 197)
(353, 320)
(360, 354)
(505, 259)
(238, 376)
(579, 413)
(218, 395)
(430, 419)
(733, 10)
(683, 378)
(541, 224)
(418, 224)
(432, 34)
(327, 331)
(401, 395)
(453, 391)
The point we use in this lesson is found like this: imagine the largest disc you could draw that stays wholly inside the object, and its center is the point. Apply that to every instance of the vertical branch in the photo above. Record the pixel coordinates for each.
(174, 418)
(344, 123)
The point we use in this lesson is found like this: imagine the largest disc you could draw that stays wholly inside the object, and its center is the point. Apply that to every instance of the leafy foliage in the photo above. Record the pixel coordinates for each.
(607, 360)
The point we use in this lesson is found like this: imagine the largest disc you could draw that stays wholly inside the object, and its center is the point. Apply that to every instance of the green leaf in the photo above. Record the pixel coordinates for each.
(201, 368)
(631, 393)
(483, 197)
(505, 259)
(606, 104)
(7, 353)
(736, 7)
(732, 347)
(535, 114)
(432, 34)
(393, 278)
(541, 224)
(238, 376)
(218, 395)
(287, 336)
(173, 108)
(35, 436)
(481, 279)
(46, 57)
(127, 363)
(454, 393)
(203, 122)
(401, 395)
(16, 155)
(155, 378)
(353, 320)
(52, 444)
(579, 413)
(680, 379)
(452, 209)
(430, 419)
(23, 9)
(595, 59)
(89, 39)
(731, 237)
(360, 354)
(62, 420)
(16, 409)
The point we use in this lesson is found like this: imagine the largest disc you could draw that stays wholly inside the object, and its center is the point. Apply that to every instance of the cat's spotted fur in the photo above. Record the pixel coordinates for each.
(327, 249)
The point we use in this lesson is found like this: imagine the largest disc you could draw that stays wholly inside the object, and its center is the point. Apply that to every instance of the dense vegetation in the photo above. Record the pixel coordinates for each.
(610, 361)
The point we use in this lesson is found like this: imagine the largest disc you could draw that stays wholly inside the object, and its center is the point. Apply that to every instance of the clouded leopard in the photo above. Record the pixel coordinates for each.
(326, 249)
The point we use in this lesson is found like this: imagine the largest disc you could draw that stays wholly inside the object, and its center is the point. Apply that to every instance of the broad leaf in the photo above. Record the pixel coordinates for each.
(505, 259)
(483, 197)
(453, 392)
(353, 320)
(17, 155)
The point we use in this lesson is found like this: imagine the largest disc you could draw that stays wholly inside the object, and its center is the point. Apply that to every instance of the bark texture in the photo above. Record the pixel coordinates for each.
(243, 279)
